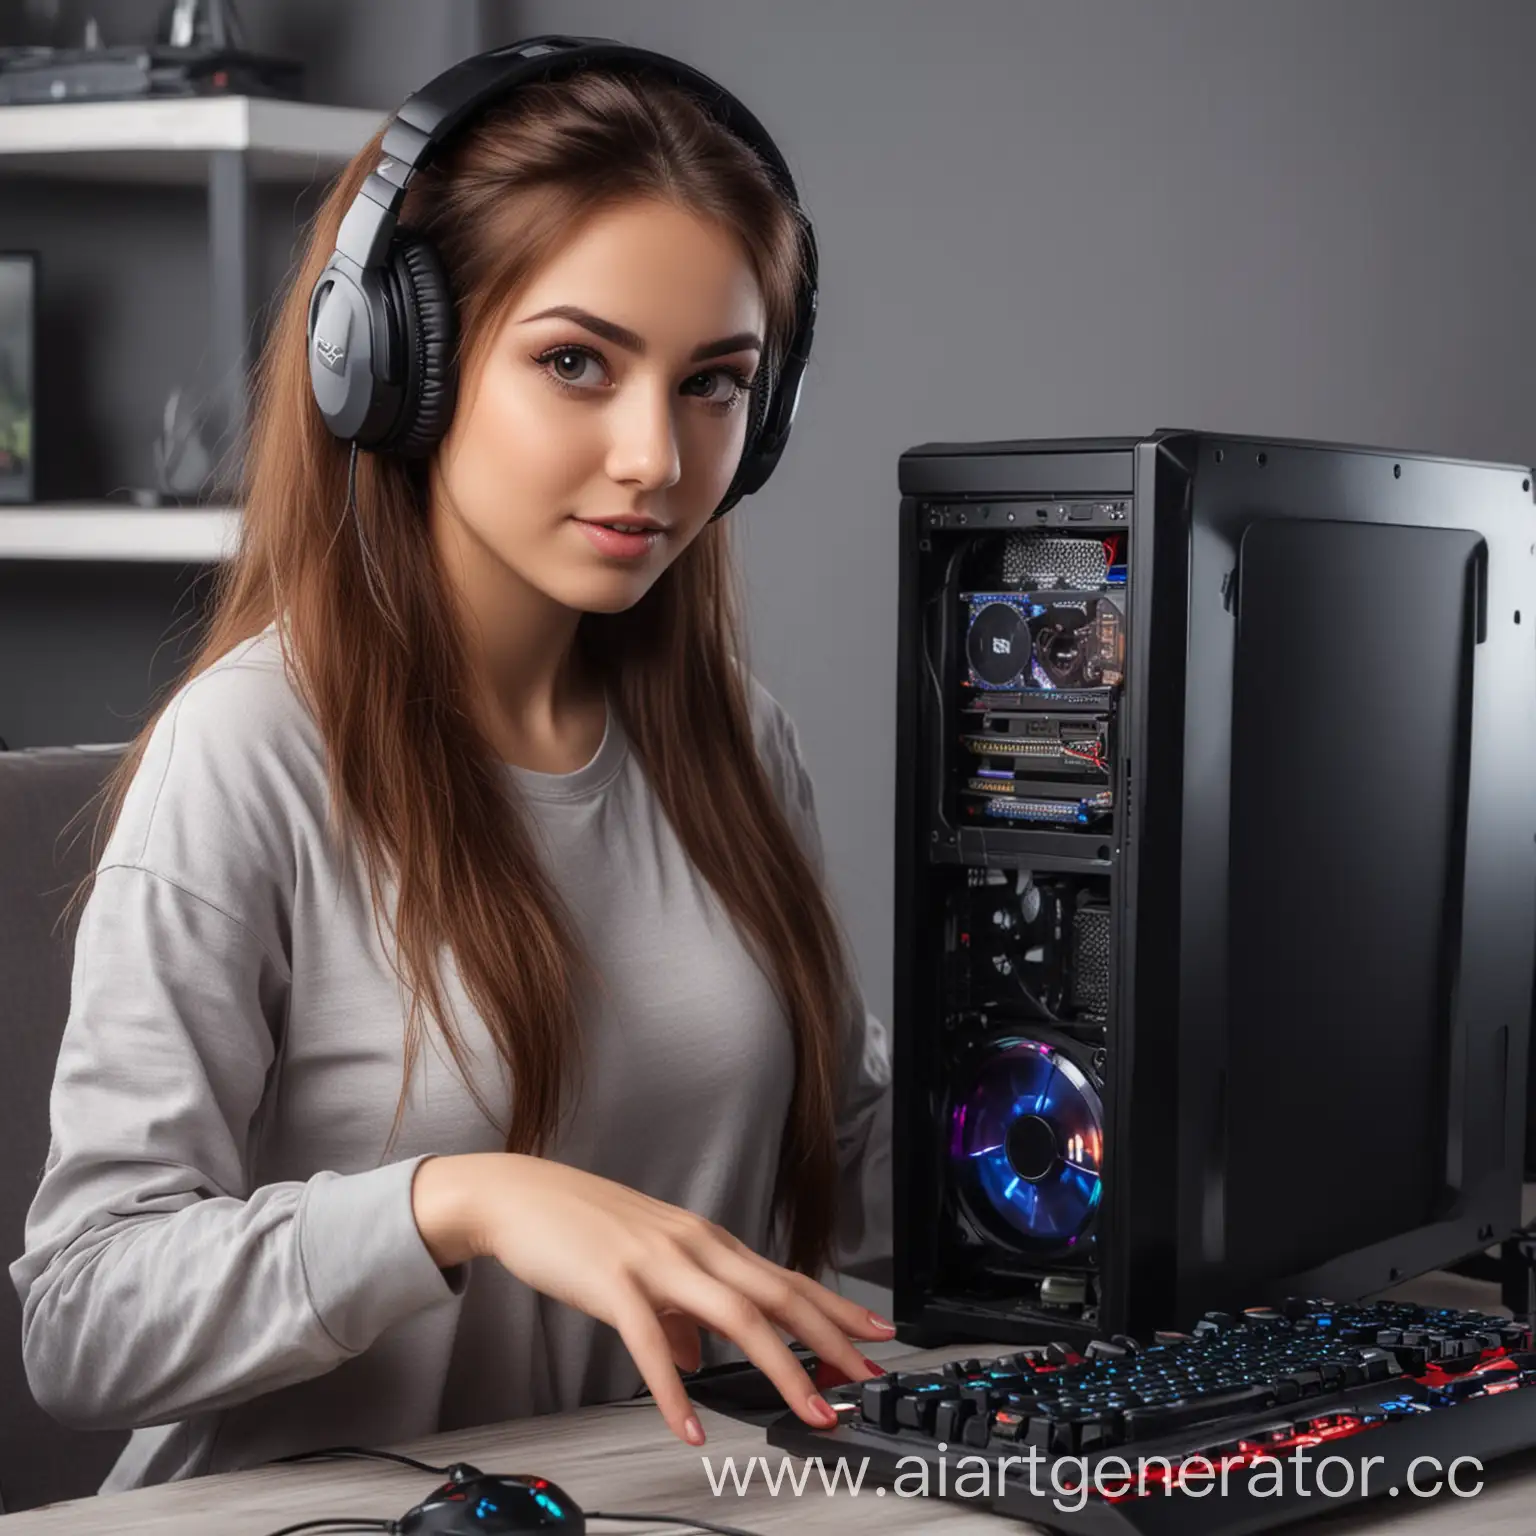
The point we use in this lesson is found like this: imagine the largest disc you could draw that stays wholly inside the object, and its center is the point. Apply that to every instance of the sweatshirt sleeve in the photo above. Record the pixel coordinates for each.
(864, 1080)
(157, 1283)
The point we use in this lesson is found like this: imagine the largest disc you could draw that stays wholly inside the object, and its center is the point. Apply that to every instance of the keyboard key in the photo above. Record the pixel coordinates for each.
(1378, 1364)
(916, 1410)
(1008, 1428)
(1098, 1435)
(950, 1416)
(1063, 1440)
(878, 1403)
(1099, 1349)
(1332, 1374)
(1039, 1431)
(1183, 1413)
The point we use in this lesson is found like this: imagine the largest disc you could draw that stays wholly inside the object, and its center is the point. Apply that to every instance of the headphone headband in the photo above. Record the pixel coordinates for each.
(367, 242)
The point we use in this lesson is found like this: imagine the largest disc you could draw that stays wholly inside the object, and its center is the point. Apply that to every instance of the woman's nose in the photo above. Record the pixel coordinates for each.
(643, 451)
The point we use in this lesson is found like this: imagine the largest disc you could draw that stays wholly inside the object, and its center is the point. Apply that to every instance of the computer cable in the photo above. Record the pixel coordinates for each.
(337, 1524)
(331, 1451)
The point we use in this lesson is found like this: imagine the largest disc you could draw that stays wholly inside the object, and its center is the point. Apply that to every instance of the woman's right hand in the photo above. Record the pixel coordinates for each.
(652, 1271)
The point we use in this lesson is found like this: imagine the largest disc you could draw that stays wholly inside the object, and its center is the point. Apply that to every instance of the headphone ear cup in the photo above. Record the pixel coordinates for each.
(429, 329)
(762, 398)
(757, 411)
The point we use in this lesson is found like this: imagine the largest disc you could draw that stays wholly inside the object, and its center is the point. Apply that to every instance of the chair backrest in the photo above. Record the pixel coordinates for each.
(45, 846)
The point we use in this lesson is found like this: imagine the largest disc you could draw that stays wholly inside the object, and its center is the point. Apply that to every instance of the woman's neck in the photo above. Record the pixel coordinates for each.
(549, 718)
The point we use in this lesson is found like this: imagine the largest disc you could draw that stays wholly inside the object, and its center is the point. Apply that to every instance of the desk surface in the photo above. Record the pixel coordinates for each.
(622, 1457)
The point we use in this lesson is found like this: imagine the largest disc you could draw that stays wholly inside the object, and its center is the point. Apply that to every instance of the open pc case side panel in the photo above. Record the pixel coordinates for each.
(1358, 867)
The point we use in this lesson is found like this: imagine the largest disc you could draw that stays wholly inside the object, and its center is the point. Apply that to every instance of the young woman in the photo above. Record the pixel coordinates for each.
(459, 1024)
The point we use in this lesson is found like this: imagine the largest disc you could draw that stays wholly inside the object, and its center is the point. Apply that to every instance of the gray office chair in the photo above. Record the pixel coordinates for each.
(42, 793)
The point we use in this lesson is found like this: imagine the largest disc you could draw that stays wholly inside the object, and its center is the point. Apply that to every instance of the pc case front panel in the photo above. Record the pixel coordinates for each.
(1017, 610)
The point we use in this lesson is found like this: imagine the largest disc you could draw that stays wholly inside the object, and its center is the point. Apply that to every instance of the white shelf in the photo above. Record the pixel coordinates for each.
(166, 140)
(174, 535)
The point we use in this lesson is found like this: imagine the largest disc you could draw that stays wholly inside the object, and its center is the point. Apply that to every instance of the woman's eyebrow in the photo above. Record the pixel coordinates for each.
(621, 336)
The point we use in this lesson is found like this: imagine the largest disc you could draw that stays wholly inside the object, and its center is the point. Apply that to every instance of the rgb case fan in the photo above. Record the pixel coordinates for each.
(1026, 1145)
(1039, 642)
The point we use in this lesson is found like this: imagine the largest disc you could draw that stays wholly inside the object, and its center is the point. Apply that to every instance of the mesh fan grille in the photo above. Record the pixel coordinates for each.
(1090, 960)
(1039, 560)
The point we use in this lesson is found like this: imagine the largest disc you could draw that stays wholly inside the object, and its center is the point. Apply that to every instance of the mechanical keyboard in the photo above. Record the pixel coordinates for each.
(1249, 1421)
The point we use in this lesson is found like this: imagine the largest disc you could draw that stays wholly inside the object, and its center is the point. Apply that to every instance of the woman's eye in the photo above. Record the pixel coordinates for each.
(728, 383)
(568, 364)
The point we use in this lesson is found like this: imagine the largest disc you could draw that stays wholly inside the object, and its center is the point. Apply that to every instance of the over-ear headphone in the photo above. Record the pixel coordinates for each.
(382, 333)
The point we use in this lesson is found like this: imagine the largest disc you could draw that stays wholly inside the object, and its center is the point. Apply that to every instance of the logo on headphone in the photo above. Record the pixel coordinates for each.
(332, 354)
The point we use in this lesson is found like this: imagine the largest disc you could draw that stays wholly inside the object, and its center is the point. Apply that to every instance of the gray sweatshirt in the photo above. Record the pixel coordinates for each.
(216, 1256)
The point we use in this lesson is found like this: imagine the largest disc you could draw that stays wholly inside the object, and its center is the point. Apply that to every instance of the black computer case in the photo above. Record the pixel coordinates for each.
(1215, 876)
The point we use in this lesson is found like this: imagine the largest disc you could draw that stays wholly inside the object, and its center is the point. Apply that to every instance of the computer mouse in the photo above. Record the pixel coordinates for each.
(492, 1505)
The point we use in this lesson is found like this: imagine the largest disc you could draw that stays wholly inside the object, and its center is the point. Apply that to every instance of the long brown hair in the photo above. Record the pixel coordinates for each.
(370, 638)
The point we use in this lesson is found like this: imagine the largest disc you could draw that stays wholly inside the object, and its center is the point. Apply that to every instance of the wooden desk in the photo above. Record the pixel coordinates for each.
(622, 1457)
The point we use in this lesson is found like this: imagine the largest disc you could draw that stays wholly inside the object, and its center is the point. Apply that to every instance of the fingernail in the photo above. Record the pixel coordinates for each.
(693, 1430)
(872, 1365)
(821, 1408)
(877, 1321)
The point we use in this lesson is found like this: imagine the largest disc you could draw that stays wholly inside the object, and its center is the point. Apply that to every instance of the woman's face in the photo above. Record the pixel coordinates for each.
(613, 390)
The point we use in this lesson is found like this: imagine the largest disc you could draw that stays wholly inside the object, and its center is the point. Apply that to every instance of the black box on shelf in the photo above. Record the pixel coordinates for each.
(18, 364)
